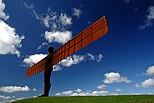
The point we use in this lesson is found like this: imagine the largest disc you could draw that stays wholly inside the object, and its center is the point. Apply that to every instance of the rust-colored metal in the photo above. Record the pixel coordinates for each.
(89, 35)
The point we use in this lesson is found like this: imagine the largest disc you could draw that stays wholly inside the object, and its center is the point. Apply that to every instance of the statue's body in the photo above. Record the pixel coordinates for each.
(47, 72)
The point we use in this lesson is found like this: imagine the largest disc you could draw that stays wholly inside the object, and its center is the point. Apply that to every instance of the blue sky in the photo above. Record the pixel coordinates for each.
(122, 58)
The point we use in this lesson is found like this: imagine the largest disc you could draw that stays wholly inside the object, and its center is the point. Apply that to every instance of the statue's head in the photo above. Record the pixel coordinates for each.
(50, 49)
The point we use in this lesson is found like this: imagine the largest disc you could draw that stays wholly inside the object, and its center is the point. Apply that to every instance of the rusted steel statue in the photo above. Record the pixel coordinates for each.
(87, 36)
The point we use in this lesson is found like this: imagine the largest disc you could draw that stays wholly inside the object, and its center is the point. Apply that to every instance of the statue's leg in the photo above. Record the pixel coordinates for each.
(47, 84)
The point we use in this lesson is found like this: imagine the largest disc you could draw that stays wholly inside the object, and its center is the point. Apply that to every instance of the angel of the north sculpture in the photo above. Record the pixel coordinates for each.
(87, 36)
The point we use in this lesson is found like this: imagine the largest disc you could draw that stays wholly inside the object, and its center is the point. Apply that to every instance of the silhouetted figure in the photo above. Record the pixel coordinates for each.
(47, 72)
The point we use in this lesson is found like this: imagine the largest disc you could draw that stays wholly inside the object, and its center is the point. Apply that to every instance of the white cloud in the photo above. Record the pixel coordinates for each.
(75, 59)
(78, 90)
(57, 68)
(82, 93)
(33, 59)
(42, 45)
(65, 20)
(69, 61)
(46, 21)
(69, 92)
(150, 70)
(30, 7)
(101, 87)
(113, 77)
(118, 90)
(10, 41)
(4, 97)
(11, 89)
(146, 84)
(77, 12)
(58, 94)
(49, 20)
(52, 19)
(15, 99)
(149, 18)
(95, 58)
(57, 36)
(9, 99)
(92, 93)
(3, 15)
(151, 13)
(34, 89)
(98, 93)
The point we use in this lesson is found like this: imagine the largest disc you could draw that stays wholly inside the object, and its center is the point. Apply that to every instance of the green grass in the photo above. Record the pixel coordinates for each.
(92, 99)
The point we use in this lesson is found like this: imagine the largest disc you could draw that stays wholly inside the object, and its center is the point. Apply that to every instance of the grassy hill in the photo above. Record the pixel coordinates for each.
(92, 99)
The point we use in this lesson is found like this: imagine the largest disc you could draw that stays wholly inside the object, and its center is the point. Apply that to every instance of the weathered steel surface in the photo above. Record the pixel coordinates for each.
(90, 34)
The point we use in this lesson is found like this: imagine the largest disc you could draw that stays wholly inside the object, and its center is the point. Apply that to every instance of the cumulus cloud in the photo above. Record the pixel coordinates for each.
(78, 90)
(113, 77)
(92, 93)
(33, 59)
(3, 15)
(146, 84)
(150, 70)
(77, 12)
(101, 87)
(9, 99)
(149, 18)
(69, 92)
(69, 61)
(15, 99)
(82, 93)
(4, 97)
(58, 36)
(10, 41)
(75, 59)
(11, 89)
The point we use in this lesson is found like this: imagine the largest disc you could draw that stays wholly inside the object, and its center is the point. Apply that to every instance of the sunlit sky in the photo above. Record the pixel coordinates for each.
(119, 63)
